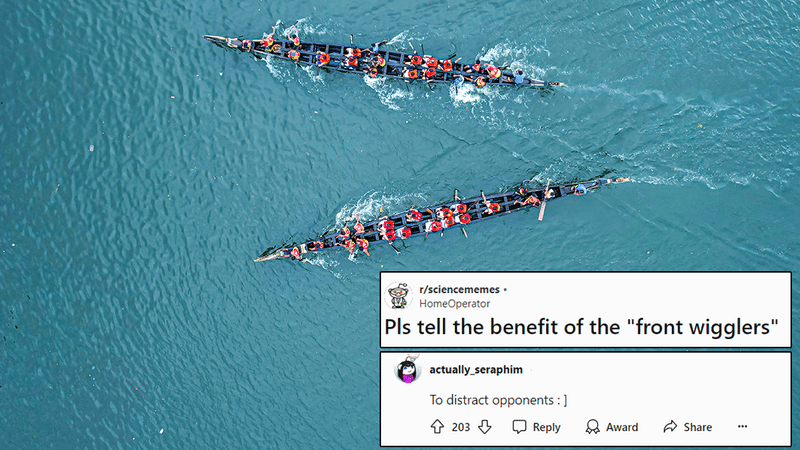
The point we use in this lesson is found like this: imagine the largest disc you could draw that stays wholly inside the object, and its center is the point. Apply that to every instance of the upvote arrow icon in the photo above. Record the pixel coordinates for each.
(670, 426)
(437, 426)
(484, 426)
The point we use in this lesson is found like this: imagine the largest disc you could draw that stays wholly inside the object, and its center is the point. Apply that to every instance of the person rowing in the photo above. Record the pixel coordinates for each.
(579, 189)
(518, 78)
(295, 254)
(532, 199)
(344, 234)
(412, 74)
(458, 80)
(323, 58)
(364, 244)
(491, 208)
(296, 38)
(413, 215)
(358, 227)
(268, 39)
(493, 71)
(474, 68)
(348, 244)
(376, 46)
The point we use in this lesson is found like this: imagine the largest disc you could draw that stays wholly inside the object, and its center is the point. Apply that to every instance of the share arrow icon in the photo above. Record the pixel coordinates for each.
(670, 426)
(437, 426)
(484, 426)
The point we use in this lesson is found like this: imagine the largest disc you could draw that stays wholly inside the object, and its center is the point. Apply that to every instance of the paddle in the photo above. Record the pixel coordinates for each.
(392, 245)
(544, 200)
(412, 47)
(422, 46)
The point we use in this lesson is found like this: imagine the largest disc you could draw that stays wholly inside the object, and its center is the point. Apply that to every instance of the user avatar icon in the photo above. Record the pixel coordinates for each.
(592, 427)
(398, 294)
(406, 370)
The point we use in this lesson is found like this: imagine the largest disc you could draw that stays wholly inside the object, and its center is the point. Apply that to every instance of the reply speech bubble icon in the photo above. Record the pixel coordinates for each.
(519, 425)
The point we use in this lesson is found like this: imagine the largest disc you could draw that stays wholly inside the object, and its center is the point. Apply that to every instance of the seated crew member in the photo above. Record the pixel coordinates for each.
(458, 81)
(414, 60)
(430, 73)
(549, 194)
(293, 54)
(491, 208)
(344, 234)
(413, 215)
(358, 227)
(579, 189)
(348, 244)
(376, 46)
(247, 45)
(494, 72)
(518, 78)
(412, 74)
(364, 244)
(531, 200)
(268, 39)
(296, 38)
(372, 71)
(295, 254)
(323, 58)
(474, 68)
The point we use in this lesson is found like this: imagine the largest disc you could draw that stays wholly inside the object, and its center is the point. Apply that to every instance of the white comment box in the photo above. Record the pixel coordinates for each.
(585, 309)
(585, 399)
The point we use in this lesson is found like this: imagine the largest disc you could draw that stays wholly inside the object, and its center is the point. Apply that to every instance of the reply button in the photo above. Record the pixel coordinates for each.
(545, 428)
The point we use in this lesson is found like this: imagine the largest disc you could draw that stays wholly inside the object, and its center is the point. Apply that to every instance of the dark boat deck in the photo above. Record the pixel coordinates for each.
(396, 61)
(476, 210)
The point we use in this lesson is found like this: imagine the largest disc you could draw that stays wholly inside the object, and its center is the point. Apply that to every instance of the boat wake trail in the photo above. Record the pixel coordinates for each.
(389, 91)
(369, 207)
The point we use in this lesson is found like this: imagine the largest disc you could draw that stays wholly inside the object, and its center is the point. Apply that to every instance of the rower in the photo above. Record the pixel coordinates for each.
(480, 82)
(494, 72)
(268, 39)
(413, 215)
(323, 58)
(296, 38)
(293, 54)
(430, 73)
(295, 254)
(518, 78)
(458, 81)
(247, 45)
(349, 245)
(579, 189)
(432, 62)
(364, 244)
(410, 74)
(491, 208)
(474, 68)
(358, 227)
(415, 60)
(447, 65)
(344, 234)
(372, 72)
(376, 46)
(531, 200)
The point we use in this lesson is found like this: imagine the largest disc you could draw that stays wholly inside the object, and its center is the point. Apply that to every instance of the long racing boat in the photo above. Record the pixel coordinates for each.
(420, 222)
(376, 61)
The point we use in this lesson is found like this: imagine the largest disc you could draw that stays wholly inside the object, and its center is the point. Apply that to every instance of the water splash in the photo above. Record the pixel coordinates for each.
(376, 204)
(389, 91)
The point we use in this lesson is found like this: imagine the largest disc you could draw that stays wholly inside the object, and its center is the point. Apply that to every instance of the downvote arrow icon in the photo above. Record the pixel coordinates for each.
(484, 426)
(437, 426)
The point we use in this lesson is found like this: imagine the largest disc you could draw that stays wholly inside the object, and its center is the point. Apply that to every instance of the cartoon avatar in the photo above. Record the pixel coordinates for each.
(406, 370)
(399, 296)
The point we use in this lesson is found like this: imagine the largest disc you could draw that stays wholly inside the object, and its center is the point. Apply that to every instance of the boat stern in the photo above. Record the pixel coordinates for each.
(215, 39)
(269, 255)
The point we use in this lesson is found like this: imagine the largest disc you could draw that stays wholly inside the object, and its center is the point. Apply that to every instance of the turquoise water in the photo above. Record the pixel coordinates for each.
(143, 169)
